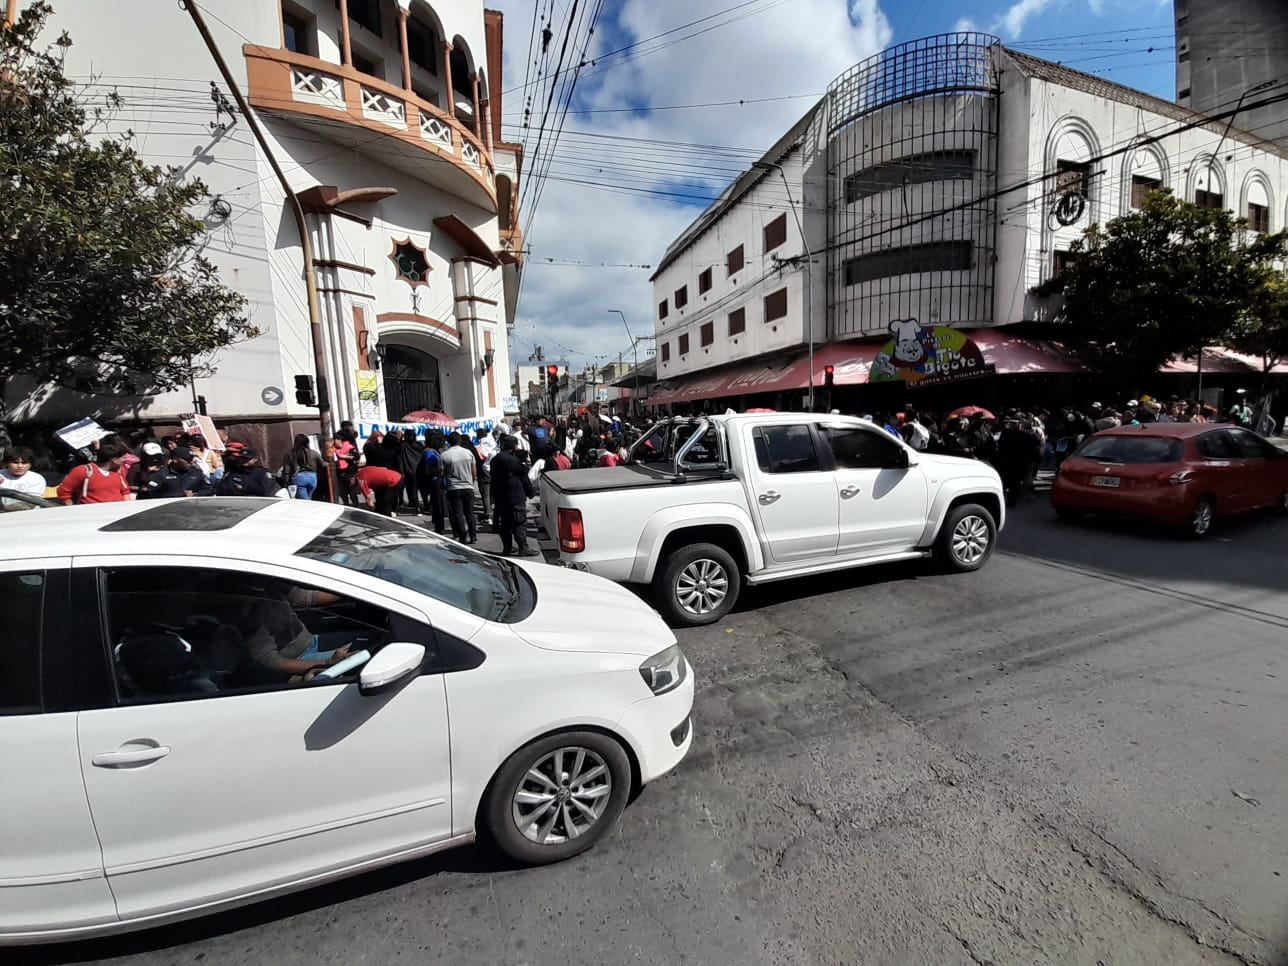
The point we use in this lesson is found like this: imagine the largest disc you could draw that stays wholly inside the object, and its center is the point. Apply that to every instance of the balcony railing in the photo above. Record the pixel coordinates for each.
(283, 80)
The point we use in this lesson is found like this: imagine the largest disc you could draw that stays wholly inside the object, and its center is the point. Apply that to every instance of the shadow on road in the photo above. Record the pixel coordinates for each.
(471, 860)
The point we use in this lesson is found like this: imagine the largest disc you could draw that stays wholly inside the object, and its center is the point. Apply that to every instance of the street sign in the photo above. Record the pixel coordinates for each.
(602, 393)
(272, 396)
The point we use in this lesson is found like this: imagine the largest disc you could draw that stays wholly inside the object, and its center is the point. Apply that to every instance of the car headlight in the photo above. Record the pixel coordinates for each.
(664, 671)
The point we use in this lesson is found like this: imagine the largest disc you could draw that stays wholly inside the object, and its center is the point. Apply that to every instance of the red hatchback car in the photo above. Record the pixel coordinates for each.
(1181, 474)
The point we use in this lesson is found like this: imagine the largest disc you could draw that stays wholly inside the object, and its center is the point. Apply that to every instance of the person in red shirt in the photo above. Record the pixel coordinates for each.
(379, 487)
(561, 461)
(98, 482)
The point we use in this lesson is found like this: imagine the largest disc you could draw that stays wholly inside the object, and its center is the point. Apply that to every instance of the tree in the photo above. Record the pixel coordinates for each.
(1158, 283)
(1262, 328)
(102, 279)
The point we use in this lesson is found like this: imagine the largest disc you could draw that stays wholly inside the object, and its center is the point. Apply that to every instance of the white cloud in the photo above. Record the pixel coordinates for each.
(1011, 23)
(1098, 6)
(965, 25)
(778, 48)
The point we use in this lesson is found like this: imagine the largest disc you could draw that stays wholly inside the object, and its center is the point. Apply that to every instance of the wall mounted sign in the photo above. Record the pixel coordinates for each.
(921, 355)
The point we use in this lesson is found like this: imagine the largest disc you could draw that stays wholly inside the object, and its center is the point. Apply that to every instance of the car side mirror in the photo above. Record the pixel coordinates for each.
(393, 665)
(900, 461)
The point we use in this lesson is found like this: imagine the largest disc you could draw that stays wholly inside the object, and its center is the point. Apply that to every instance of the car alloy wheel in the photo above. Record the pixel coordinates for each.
(702, 586)
(970, 540)
(1201, 520)
(562, 796)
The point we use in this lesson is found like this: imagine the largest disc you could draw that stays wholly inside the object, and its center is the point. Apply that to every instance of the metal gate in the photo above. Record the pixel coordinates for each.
(411, 382)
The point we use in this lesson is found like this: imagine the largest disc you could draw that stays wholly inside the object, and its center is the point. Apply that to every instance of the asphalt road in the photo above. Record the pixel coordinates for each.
(1076, 755)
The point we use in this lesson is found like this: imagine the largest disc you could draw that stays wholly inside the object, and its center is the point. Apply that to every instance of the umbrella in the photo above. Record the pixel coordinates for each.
(970, 412)
(427, 417)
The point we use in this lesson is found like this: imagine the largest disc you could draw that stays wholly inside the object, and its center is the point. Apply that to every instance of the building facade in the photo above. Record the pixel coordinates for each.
(1227, 48)
(385, 116)
(937, 184)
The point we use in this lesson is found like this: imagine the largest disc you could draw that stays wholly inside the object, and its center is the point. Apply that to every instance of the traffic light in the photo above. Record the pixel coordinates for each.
(829, 373)
(304, 394)
(552, 380)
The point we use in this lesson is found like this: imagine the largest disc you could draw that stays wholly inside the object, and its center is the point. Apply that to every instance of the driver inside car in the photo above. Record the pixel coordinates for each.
(278, 641)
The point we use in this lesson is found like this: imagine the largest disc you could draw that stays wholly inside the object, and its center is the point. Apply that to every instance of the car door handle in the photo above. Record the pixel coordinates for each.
(849, 491)
(769, 496)
(135, 756)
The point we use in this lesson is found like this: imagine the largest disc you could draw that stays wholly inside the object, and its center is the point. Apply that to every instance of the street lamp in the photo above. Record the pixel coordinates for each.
(635, 351)
(809, 258)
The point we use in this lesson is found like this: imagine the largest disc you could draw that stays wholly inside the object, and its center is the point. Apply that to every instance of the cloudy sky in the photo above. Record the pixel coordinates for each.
(702, 88)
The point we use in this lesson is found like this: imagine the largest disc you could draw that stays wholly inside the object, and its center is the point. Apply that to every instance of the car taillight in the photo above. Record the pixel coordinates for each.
(572, 535)
(1180, 476)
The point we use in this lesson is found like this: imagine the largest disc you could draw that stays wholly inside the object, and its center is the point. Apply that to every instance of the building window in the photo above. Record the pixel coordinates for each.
(1259, 218)
(1183, 95)
(365, 13)
(1182, 22)
(1062, 262)
(297, 33)
(1209, 199)
(737, 321)
(704, 282)
(367, 66)
(1183, 57)
(914, 169)
(948, 256)
(410, 263)
(733, 261)
(682, 296)
(666, 352)
(775, 305)
(1141, 187)
(683, 345)
(420, 47)
(708, 333)
(776, 233)
(1072, 178)
(663, 310)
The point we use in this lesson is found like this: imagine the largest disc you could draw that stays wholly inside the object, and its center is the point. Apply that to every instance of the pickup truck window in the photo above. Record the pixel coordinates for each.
(785, 449)
(861, 449)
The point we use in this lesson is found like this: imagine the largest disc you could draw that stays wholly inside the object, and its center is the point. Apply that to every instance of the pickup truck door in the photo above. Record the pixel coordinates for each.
(792, 493)
(883, 503)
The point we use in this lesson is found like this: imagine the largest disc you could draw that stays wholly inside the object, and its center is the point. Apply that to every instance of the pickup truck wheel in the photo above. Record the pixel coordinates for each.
(697, 585)
(966, 539)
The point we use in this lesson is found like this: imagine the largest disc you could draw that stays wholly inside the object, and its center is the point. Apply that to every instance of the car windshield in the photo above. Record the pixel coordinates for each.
(1132, 449)
(410, 557)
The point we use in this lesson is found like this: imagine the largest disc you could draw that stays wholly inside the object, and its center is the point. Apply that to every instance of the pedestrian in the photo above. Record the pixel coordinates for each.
(302, 468)
(18, 475)
(100, 481)
(179, 477)
(1017, 454)
(486, 449)
(409, 454)
(345, 454)
(379, 487)
(460, 469)
(373, 450)
(429, 478)
(244, 476)
(511, 489)
(152, 458)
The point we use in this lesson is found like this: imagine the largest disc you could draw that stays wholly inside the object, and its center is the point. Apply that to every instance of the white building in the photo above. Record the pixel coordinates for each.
(940, 181)
(385, 116)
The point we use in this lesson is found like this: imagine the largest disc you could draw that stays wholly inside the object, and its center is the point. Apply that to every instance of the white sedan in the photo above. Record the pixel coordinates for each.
(207, 702)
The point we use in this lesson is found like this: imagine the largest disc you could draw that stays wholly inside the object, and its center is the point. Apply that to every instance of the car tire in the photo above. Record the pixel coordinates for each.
(1201, 518)
(1069, 514)
(966, 539)
(515, 814)
(697, 585)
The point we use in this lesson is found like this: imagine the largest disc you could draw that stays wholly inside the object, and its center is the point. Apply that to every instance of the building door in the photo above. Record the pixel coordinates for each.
(411, 382)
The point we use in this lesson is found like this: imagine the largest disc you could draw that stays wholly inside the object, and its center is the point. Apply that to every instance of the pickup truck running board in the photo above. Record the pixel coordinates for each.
(845, 563)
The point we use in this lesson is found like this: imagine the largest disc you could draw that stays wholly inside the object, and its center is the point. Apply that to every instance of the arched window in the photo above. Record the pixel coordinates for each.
(1257, 202)
(1207, 183)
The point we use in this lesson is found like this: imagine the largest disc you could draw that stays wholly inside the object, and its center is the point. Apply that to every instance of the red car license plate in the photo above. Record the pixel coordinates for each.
(1105, 481)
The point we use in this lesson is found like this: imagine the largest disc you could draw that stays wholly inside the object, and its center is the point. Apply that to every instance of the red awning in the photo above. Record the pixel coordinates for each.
(738, 381)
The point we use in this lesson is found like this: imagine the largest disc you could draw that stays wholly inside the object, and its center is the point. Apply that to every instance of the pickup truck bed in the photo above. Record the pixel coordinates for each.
(602, 478)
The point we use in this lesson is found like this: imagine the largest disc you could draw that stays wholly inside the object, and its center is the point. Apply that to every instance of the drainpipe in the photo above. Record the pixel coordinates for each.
(306, 243)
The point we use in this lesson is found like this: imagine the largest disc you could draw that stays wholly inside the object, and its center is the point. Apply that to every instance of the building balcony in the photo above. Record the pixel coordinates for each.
(378, 119)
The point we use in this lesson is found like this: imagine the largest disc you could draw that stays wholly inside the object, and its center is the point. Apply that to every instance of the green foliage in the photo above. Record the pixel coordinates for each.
(1159, 283)
(1262, 329)
(101, 271)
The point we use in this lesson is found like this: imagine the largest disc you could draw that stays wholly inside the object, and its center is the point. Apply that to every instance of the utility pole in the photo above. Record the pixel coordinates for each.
(306, 243)
(809, 259)
(635, 349)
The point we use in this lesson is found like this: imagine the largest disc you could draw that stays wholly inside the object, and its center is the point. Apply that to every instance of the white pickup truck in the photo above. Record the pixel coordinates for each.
(706, 505)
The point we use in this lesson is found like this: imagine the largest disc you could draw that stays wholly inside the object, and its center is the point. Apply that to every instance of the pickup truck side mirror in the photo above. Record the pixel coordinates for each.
(900, 460)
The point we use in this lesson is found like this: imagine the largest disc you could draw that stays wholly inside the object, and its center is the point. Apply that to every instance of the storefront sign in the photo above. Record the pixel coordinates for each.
(927, 356)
